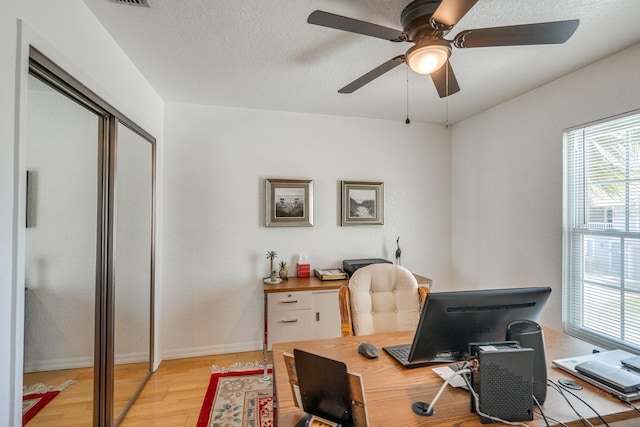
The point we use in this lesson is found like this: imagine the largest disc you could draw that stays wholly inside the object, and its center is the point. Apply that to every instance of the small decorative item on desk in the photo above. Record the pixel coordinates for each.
(329, 274)
(271, 255)
(283, 273)
(304, 268)
(273, 277)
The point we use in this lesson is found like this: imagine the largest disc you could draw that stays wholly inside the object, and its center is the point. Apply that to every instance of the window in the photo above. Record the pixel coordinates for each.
(601, 254)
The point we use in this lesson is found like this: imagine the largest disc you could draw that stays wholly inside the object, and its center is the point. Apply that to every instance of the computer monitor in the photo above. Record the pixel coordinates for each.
(451, 320)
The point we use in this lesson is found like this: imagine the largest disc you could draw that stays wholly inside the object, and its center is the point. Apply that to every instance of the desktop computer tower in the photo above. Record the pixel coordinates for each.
(503, 381)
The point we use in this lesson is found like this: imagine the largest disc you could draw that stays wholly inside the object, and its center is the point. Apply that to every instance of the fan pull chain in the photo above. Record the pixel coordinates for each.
(446, 80)
(407, 121)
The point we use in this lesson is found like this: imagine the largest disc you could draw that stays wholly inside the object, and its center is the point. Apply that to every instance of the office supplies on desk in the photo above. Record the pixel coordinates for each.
(351, 265)
(632, 363)
(446, 372)
(611, 358)
(368, 350)
(612, 376)
(329, 274)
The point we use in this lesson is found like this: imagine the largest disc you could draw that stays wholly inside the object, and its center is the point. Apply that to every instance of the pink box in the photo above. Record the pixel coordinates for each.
(304, 270)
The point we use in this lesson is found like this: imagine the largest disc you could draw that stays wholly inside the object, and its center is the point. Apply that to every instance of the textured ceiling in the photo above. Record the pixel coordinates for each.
(263, 54)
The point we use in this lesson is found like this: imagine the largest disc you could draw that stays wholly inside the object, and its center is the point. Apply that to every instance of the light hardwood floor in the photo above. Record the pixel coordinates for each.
(73, 407)
(171, 398)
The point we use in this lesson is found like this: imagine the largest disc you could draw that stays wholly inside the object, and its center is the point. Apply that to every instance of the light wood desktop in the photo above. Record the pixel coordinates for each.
(391, 389)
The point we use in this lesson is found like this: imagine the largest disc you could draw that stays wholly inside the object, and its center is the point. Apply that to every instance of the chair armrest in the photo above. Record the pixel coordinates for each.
(422, 295)
(345, 311)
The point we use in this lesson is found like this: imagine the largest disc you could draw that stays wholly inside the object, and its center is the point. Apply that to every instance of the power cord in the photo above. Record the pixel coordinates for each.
(544, 417)
(631, 405)
(559, 389)
(552, 419)
(585, 402)
(461, 372)
(422, 408)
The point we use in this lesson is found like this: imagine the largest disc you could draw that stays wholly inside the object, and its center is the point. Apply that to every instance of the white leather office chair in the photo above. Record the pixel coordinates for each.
(380, 298)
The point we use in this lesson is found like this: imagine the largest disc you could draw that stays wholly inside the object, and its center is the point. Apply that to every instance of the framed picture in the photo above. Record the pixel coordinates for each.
(289, 202)
(362, 203)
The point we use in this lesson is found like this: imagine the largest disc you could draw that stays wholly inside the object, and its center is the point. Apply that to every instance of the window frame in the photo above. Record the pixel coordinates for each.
(579, 279)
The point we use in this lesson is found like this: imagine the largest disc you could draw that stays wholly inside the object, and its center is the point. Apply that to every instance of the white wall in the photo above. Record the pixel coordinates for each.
(507, 177)
(216, 160)
(71, 36)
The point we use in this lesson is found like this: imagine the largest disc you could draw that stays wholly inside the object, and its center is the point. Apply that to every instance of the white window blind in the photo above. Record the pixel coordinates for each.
(601, 236)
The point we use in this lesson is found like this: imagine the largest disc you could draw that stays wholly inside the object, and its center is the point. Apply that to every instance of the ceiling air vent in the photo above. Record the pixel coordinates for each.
(143, 3)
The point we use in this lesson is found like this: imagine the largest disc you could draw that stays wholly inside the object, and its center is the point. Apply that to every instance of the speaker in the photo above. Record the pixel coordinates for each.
(529, 335)
(503, 382)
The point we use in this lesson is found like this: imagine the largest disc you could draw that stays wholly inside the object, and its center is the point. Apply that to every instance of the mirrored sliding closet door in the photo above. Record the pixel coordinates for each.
(89, 252)
(60, 249)
(133, 265)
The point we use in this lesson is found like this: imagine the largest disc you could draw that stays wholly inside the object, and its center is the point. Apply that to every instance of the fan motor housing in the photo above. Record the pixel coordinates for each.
(416, 19)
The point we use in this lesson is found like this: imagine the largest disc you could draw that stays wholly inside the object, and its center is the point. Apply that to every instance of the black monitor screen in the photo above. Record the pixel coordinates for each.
(451, 320)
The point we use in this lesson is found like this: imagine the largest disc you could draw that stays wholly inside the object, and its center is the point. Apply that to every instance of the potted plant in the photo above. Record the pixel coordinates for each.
(283, 273)
(271, 255)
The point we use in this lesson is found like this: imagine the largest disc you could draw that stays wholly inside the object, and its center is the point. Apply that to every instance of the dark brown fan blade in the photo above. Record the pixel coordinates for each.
(451, 11)
(528, 34)
(343, 23)
(445, 80)
(373, 74)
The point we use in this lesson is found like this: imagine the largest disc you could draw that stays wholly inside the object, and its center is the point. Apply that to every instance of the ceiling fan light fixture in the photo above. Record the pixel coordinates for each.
(427, 57)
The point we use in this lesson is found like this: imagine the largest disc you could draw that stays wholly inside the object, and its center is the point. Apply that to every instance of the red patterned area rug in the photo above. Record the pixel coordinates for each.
(238, 397)
(37, 396)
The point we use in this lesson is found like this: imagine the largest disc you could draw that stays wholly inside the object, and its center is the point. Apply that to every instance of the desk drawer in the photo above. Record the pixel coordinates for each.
(284, 301)
(290, 325)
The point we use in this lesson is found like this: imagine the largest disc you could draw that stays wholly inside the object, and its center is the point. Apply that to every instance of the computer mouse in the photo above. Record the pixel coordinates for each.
(368, 350)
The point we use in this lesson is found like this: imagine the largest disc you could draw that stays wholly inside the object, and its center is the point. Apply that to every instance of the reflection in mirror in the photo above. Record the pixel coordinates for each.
(133, 266)
(60, 255)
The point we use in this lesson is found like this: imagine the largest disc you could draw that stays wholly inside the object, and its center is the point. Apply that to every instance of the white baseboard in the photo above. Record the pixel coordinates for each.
(183, 353)
(79, 362)
(179, 353)
(58, 364)
(139, 357)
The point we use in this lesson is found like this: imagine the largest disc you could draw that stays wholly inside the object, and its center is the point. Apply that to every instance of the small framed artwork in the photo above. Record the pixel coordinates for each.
(289, 202)
(362, 203)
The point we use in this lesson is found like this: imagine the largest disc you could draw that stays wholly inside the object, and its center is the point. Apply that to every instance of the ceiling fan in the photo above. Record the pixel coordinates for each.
(425, 23)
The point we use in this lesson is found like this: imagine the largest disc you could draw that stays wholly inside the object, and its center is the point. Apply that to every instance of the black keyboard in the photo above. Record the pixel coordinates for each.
(400, 353)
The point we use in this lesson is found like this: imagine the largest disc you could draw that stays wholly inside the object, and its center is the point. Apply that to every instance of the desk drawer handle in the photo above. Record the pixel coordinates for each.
(289, 321)
(290, 302)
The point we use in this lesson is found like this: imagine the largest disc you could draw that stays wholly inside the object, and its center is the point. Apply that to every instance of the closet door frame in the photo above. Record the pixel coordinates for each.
(104, 354)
